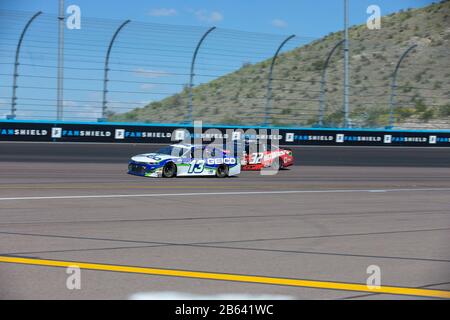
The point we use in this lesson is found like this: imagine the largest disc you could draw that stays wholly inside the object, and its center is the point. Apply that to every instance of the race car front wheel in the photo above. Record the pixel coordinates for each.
(222, 171)
(169, 170)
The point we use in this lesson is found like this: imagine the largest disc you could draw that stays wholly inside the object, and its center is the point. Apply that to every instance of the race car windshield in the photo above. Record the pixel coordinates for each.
(257, 147)
(172, 151)
(262, 147)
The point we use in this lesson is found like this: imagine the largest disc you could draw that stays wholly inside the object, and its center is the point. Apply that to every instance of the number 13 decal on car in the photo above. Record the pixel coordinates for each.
(196, 166)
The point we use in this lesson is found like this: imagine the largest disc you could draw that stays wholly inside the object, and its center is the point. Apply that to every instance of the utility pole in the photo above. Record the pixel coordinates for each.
(60, 80)
(346, 67)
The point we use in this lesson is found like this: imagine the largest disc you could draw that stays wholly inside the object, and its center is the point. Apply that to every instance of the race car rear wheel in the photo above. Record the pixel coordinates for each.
(277, 165)
(222, 171)
(169, 170)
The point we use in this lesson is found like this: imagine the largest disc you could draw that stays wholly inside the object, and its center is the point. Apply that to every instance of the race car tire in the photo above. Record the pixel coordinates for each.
(222, 171)
(169, 170)
(278, 166)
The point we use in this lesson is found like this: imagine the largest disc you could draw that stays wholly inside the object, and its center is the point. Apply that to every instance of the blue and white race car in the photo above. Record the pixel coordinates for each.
(185, 160)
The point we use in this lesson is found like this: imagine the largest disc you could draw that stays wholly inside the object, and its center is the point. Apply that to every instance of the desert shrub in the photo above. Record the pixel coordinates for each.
(444, 111)
(418, 77)
(427, 115)
(404, 112)
(317, 65)
(228, 119)
(437, 85)
(334, 119)
(420, 106)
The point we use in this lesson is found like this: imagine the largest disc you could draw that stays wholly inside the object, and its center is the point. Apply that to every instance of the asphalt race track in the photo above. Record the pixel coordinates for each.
(309, 156)
(309, 232)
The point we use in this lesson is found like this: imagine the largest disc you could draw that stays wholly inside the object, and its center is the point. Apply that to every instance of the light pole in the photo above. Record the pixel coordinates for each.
(60, 77)
(346, 67)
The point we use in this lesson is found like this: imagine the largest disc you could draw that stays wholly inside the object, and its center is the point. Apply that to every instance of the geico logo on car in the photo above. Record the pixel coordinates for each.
(221, 161)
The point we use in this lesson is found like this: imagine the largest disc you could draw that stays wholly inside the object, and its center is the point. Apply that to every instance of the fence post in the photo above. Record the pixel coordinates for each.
(105, 79)
(12, 116)
(191, 78)
(394, 86)
(60, 70)
(323, 83)
(267, 117)
(346, 66)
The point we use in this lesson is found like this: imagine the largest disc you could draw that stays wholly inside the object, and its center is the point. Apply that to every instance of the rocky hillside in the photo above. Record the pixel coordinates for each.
(423, 94)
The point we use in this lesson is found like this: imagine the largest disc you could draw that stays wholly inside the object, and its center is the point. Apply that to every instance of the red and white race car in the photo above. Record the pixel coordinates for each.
(258, 156)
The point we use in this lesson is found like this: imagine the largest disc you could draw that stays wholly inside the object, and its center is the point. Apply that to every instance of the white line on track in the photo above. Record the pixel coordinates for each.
(237, 193)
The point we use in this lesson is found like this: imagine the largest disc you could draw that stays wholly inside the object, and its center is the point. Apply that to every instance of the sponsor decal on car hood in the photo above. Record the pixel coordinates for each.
(152, 157)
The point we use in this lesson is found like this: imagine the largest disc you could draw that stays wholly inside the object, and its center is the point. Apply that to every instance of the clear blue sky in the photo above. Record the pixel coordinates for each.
(148, 62)
(301, 17)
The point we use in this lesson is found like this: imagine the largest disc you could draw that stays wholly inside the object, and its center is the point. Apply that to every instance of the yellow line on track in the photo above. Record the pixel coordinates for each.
(232, 277)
